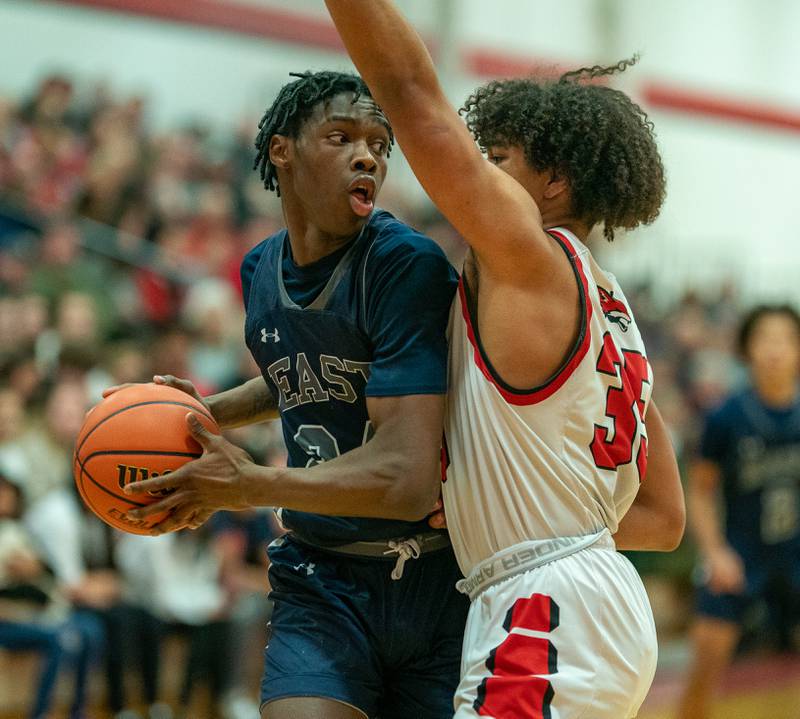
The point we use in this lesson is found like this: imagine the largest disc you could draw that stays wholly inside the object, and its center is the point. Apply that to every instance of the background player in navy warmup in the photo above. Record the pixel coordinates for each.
(750, 452)
(346, 316)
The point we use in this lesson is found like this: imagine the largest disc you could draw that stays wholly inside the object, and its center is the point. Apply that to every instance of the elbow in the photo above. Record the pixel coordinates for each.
(414, 490)
(678, 527)
(673, 527)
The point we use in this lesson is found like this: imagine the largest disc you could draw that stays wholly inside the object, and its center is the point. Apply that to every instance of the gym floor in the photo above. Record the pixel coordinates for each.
(754, 688)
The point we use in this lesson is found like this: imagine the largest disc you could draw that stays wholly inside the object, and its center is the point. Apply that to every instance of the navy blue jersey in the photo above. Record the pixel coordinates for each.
(758, 451)
(367, 321)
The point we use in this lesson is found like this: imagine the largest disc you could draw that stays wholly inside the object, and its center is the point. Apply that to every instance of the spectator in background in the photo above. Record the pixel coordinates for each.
(213, 357)
(750, 455)
(38, 458)
(33, 616)
(173, 349)
(24, 592)
(176, 578)
(61, 267)
(240, 540)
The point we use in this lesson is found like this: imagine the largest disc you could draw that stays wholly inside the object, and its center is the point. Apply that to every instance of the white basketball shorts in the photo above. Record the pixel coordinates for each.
(572, 638)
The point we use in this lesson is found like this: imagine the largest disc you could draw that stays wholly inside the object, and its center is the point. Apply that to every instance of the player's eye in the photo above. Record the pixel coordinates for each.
(338, 137)
(496, 159)
(379, 147)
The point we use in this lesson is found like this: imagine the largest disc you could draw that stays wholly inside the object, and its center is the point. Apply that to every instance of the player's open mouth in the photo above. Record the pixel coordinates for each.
(362, 194)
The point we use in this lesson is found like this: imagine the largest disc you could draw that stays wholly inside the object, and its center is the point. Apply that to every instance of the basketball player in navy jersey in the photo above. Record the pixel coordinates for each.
(346, 314)
(749, 458)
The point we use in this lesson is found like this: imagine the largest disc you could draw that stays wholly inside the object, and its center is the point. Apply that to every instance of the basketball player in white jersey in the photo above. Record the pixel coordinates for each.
(549, 423)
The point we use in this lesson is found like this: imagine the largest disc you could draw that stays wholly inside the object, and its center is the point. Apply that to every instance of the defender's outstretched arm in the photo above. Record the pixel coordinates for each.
(493, 212)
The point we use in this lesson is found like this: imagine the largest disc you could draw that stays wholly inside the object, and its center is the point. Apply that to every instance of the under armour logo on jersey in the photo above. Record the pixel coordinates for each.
(274, 336)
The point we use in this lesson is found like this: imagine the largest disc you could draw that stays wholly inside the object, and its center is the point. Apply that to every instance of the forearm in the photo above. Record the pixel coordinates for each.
(371, 481)
(644, 528)
(704, 520)
(248, 403)
(386, 49)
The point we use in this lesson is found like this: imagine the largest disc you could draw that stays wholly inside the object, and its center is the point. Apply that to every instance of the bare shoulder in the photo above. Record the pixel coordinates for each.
(527, 330)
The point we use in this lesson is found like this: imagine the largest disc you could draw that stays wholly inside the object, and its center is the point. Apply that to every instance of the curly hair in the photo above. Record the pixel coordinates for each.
(294, 105)
(595, 137)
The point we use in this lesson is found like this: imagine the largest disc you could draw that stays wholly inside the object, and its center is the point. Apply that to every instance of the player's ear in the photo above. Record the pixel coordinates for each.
(556, 185)
(280, 151)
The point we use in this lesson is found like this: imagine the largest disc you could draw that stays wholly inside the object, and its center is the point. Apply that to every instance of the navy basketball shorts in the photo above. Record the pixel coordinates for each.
(758, 573)
(342, 629)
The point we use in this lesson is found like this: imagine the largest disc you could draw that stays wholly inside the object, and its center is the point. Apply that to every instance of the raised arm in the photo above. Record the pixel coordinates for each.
(493, 212)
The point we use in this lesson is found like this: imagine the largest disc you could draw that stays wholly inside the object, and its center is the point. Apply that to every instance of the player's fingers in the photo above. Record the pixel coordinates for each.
(717, 587)
(157, 485)
(726, 584)
(438, 520)
(165, 505)
(179, 519)
(167, 526)
(199, 520)
(199, 432)
(108, 391)
(184, 385)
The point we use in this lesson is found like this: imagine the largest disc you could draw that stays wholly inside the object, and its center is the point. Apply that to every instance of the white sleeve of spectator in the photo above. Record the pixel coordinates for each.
(54, 522)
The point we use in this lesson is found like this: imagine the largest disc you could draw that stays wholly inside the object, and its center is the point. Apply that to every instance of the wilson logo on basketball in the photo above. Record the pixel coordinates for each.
(128, 475)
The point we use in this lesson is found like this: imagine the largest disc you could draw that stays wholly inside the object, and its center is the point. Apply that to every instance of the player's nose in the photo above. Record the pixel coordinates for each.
(362, 159)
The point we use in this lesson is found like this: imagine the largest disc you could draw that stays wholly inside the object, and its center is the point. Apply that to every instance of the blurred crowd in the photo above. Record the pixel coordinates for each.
(119, 255)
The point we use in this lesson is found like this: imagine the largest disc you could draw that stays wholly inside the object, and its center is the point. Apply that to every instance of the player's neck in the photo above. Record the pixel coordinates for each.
(576, 227)
(310, 243)
(776, 392)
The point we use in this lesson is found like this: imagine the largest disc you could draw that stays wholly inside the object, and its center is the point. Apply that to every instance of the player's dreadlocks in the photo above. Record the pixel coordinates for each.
(294, 105)
(595, 137)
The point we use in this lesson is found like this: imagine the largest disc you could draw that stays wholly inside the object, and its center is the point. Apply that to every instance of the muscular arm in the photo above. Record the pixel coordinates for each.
(471, 192)
(657, 517)
(394, 476)
(248, 403)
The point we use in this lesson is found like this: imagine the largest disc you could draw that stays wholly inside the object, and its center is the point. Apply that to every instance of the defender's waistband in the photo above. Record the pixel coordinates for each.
(526, 556)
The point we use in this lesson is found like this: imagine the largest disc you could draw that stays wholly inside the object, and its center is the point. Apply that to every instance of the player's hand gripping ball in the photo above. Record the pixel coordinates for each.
(136, 433)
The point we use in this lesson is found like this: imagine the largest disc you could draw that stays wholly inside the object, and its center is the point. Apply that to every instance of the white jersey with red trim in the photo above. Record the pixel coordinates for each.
(562, 460)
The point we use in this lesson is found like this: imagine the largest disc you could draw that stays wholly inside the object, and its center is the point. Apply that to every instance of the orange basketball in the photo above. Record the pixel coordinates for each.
(136, 433)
